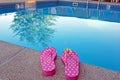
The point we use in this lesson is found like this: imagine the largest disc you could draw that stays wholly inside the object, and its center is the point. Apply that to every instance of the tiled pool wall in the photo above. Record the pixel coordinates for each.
(81, 9)
(6, 7)
(42, 2)
(75, 3)
(92, 5)
(104, 15)
(84, 9)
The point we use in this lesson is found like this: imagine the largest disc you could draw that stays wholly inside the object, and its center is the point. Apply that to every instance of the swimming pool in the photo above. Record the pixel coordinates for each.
(93, 34)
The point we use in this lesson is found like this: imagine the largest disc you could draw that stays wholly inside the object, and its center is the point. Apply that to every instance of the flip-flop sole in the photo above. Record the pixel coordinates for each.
(49, 70)
(48, 61)
(71, 71)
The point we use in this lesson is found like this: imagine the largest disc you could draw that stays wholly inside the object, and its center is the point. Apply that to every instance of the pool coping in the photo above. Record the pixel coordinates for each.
(23, 64)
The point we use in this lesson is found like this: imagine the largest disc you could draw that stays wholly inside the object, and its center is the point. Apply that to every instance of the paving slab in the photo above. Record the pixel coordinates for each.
(11, 1)
(26, 66)
(8, 50)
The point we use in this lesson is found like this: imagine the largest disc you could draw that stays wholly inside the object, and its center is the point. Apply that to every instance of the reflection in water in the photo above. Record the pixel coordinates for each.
(33, 27)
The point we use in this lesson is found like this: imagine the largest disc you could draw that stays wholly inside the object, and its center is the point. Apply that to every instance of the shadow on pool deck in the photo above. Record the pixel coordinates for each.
(20, 63)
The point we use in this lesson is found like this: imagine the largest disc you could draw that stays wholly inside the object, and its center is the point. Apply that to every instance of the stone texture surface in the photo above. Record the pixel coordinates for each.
(8, 50)
(26, 66)
(11, 1)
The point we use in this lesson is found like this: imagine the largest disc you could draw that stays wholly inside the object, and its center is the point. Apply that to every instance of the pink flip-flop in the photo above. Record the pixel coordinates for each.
(71, 62)
(47, 58)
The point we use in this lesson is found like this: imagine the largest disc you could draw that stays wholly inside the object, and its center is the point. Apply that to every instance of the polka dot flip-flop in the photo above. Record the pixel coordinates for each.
(47, 58)
(71, 62)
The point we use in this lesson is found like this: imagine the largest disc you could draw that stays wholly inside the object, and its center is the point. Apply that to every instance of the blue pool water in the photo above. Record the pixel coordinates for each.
(95, 38)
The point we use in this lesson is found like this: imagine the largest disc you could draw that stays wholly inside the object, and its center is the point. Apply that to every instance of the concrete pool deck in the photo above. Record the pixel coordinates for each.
(20, 63)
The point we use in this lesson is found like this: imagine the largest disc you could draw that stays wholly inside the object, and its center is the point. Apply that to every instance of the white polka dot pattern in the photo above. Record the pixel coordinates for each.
(47, 59)
(71, 61)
